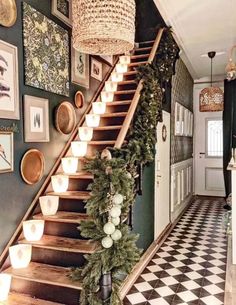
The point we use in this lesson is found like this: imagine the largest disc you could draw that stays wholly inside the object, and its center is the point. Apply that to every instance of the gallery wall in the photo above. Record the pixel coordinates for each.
(15, 194)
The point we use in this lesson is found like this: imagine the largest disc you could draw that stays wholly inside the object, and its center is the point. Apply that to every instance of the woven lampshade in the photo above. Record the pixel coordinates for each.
(211, 99)
(103, 27)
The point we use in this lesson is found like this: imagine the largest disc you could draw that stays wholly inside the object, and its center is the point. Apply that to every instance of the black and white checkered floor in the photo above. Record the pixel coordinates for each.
(189, 268)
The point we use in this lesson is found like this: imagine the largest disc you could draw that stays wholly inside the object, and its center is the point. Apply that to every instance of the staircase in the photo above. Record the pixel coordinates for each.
(46, 279)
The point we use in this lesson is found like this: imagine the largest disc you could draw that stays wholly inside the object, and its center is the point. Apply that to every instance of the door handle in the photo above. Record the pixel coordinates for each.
(202, 153)
(158, 176)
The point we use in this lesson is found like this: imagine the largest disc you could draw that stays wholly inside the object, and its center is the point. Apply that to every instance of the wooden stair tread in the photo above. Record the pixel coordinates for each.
(102, 142)
(63, 244)
(23, 299)
(47, 274)
(146, 42)
(139, 56)
(64, 216)
(138, 63)
(117, 103)
(113, 114)
(129, 73)
(121, 92)
(114, 127)
(71, 195)
(127, 82)
(78, 175)
(143, 49)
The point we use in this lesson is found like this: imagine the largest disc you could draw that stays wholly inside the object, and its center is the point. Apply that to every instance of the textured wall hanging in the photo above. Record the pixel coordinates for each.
(46, 52)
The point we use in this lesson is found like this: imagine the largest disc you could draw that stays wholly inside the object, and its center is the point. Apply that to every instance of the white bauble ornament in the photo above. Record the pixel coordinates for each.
(109, 228)
(117, 199)
(106, 154)
(115, 220)
(116, 235)
(129, 175)
(107, 242)
(115, 211)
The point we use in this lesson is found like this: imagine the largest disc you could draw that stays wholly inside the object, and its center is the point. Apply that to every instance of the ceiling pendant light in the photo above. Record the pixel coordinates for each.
(103, 27)
(231, 66)
(211, 98)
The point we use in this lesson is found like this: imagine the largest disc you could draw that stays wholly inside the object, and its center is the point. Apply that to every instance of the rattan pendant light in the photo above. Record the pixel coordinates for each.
(211, 98)
(103, 27)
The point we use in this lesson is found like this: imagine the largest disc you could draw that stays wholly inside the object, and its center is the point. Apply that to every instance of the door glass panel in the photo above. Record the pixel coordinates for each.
(214, 138)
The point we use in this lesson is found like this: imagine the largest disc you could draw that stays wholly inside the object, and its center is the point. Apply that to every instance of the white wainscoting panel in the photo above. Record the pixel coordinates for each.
(181, 186)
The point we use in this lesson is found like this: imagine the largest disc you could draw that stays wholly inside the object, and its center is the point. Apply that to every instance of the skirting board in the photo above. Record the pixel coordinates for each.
(141, 265)
(230, 281)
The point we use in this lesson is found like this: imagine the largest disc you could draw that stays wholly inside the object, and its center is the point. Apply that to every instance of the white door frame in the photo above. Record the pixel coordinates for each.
(159, 204)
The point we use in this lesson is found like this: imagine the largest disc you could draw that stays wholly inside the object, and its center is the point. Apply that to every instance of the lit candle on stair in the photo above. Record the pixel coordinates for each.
(110, 86)
(99, 107)
(107, 97)
(69, 165)
(117, 77)
(79, 148)
(33, 229)
(124, 60)
(5, 285)
(60, 183)
(92, 120)
(85, 133)
(49, 205)
(20, 256)
(121, 68)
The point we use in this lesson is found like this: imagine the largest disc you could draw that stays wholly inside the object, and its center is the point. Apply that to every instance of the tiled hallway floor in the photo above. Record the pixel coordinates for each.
(189, 268)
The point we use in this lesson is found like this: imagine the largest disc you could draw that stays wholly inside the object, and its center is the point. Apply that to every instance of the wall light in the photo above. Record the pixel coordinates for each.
(33, 229)
(125, 59)
(117, 77)
(60, 183)
(231, 66)
(79, 148)
(49, 205)
(20, 256)
(85, 133)
(121, 68)
(5, 285)
(92, 120)
(110, 86)
(107, 97)
(69, 165)
(99, 107)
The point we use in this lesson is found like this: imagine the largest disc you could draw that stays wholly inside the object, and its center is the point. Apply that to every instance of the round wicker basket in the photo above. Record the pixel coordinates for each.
(103, 27)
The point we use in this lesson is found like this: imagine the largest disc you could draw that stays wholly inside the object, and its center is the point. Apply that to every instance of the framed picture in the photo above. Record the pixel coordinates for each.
(96, 69)
(9, 84)
(79, 68)
(36, 120)
(6, 152)
(108, 59)
(46, 52)
(62, 9)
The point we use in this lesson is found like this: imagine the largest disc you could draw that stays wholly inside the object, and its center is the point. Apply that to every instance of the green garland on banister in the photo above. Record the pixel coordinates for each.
(113, 189)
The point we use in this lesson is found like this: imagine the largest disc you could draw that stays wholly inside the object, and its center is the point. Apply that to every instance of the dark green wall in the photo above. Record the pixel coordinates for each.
(15, 195)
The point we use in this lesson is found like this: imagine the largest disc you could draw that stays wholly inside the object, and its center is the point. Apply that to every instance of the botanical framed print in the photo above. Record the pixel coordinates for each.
(6, 152)
(79, 68)
(96, 69)
(62, 9)
(9, 84)
(36, 119)
(46, 52)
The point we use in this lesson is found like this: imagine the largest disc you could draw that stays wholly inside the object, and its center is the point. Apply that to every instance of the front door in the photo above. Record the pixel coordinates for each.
(208, 154)
(162, 176)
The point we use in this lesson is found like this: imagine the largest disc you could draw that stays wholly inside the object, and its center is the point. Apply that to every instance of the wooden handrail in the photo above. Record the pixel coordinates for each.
(47, 181)
(125, 127)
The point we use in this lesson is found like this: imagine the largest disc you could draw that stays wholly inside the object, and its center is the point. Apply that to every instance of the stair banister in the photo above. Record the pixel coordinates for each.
(47, 181)
(133, 106)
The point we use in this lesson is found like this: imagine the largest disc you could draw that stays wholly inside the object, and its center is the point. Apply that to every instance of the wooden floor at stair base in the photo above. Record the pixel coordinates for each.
(63, 244)
(22, 299)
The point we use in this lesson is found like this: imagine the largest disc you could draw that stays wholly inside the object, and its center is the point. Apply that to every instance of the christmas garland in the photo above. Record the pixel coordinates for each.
(113, 189)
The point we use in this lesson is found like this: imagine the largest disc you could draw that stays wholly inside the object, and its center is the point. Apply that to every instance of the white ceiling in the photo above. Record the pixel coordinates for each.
(201, 26)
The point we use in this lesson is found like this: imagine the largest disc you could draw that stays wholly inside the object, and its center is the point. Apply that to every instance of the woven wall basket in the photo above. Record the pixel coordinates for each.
(103, 27)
